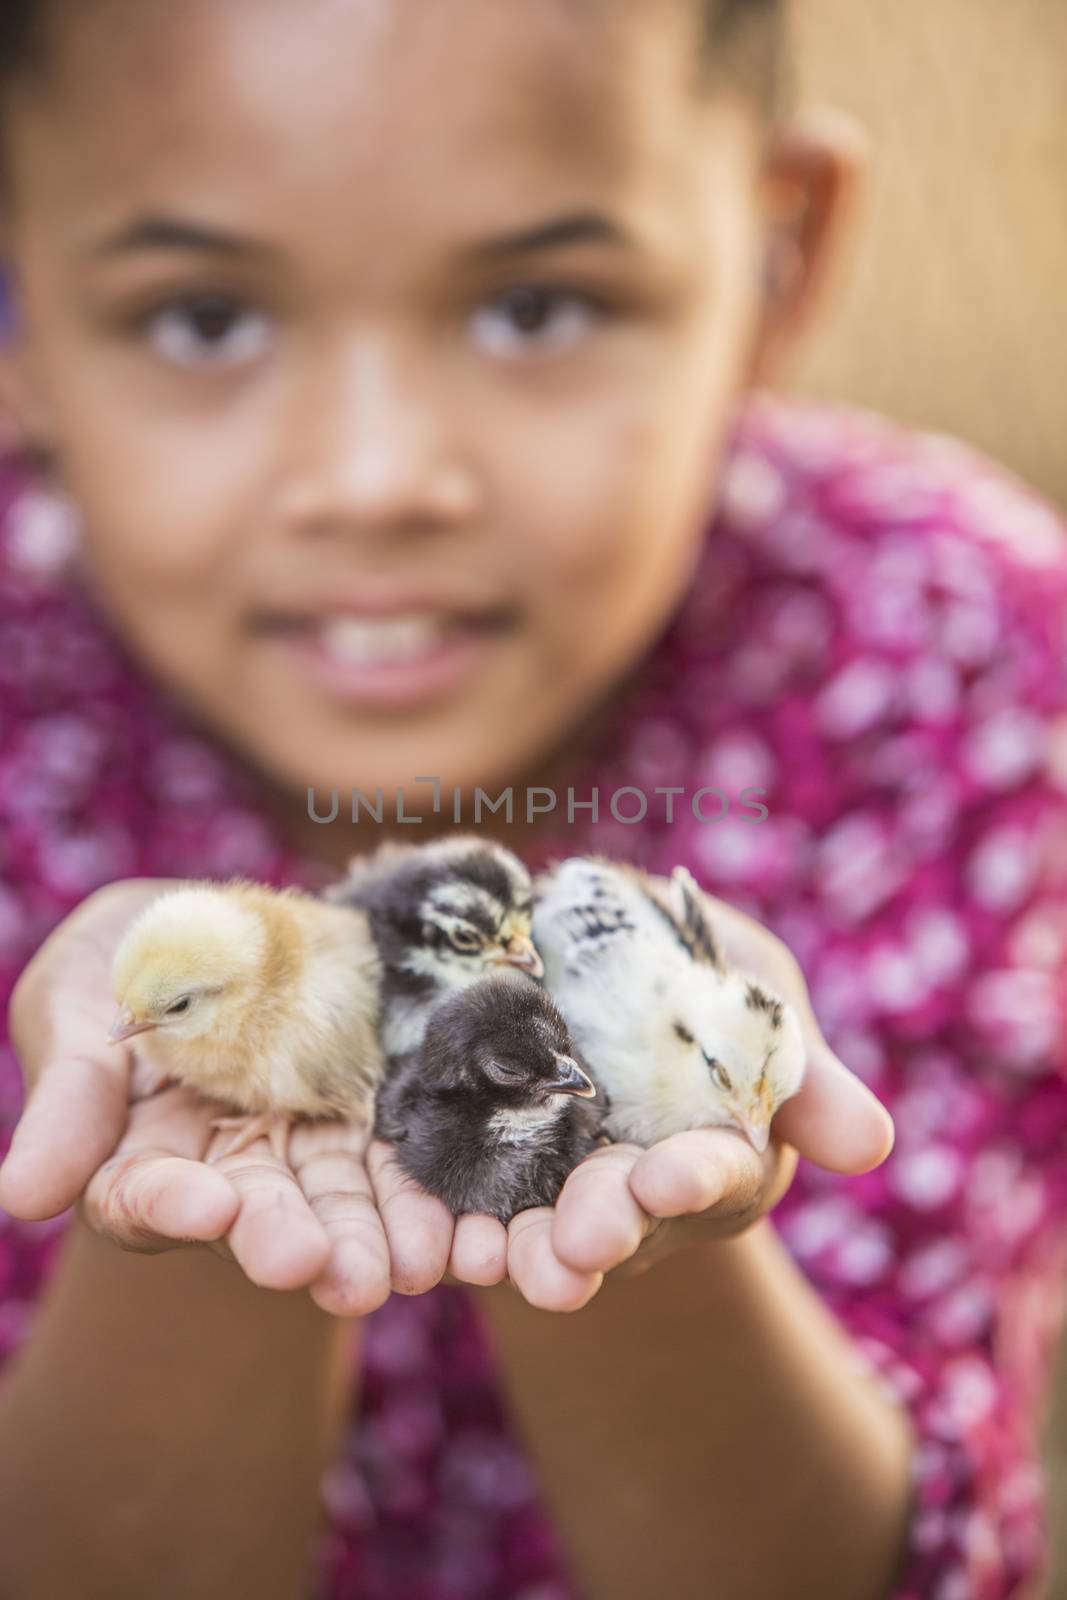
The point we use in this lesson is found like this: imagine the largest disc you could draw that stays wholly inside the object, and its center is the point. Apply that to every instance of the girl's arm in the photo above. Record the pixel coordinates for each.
(164, 1431)
(705, 1428)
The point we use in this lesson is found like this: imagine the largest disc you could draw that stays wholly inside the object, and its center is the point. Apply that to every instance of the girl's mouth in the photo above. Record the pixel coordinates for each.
(381, 641)
(394, 662)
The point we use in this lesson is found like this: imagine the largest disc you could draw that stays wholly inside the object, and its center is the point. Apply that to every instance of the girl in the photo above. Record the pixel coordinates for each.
(377, 369)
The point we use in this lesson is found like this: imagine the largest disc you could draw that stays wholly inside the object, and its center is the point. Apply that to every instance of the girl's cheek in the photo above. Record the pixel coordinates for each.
(610, 508)
(166, 493)
(586, 490)
(171, 543)
(166, 513)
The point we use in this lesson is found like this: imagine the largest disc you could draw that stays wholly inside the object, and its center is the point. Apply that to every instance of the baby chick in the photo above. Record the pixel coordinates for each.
(676, 1037)
(495, 1109)
(266, 999)
(443, 915)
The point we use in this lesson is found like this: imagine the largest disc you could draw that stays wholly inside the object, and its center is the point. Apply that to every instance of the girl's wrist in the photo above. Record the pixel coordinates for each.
(197, 1274)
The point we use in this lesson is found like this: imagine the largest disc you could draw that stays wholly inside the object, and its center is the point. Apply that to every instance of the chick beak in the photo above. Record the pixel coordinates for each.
(570, 1079)
(757, 1131)
(519, 952)
(126, 1025)
(755, 1123)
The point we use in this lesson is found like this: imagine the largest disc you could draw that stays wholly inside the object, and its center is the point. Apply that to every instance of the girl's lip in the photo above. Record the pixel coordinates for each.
(381, 602)
(439, 666)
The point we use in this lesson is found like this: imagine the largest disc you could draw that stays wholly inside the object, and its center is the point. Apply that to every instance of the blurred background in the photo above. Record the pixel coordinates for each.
(952, 311)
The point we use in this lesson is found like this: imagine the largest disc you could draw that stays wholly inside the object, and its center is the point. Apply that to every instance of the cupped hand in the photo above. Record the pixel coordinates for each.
(148, 1172)
(625, 1207)
(341, 1218)
(620, 1210)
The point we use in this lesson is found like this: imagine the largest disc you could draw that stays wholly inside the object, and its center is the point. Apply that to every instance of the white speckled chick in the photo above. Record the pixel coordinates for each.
(676, 1037)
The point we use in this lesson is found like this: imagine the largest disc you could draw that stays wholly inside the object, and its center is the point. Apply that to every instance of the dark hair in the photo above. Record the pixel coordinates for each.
(741, 42)
(744, 45)
(19, 35)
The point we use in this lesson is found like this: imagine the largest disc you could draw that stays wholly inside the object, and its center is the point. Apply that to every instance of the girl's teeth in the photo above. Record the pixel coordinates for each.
(365, 640)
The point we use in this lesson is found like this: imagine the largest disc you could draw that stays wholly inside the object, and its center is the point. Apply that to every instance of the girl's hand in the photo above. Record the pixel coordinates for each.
(342, 1218)
(625, 1207)
(138, 1169)
(624, 1204)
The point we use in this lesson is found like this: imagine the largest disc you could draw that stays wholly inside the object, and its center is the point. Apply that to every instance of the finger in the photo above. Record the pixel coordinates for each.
(479, 1250)
(72, 1122)
(276, 1238)
(598, 1221)
(536, 1271)
(834, 1119)
(152, 1200)
(703, 1170)
(418, 1226)
(329, 1163)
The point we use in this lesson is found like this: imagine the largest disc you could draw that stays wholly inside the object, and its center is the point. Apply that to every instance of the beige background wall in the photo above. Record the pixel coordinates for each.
(953, 311)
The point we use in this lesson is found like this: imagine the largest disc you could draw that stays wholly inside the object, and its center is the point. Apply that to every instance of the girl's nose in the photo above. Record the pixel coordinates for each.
(373, 449)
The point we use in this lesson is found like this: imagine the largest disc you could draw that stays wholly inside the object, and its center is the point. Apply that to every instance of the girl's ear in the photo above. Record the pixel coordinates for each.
(813, 178)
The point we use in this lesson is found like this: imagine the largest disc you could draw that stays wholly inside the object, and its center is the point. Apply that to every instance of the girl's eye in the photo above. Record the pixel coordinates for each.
(719, 1075)
(179, 1006)
(208, 330)
(531, 319)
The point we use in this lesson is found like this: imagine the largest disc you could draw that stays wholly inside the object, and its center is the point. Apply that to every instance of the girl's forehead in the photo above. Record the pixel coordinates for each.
(377, 83)
(338, 128)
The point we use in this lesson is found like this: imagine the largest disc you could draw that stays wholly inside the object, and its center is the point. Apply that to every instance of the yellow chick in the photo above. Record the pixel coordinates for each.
(263, 998)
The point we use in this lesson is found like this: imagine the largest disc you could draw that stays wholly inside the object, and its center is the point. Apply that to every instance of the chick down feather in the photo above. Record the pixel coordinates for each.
(677, 1037)
(265, 999)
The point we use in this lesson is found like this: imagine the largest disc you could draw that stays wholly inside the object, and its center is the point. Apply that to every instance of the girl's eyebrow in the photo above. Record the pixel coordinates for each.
(578, 227)
(175, 233)
(161, 233)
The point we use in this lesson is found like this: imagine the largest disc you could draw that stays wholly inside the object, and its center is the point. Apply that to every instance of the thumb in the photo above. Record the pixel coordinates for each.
(72, 1122)
(834, 1119)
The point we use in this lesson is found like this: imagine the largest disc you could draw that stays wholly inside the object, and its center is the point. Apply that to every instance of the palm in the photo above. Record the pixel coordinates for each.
(145, 1168)
(628, 1205)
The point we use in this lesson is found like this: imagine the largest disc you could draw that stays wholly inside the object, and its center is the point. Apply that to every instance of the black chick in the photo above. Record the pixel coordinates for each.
(442, 915)
(495, 1109)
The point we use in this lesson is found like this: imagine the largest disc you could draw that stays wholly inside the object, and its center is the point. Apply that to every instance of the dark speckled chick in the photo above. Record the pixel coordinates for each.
(443, 915)
(495, 1109)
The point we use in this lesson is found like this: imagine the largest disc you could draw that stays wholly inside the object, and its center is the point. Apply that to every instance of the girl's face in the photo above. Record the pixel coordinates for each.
(388, 349)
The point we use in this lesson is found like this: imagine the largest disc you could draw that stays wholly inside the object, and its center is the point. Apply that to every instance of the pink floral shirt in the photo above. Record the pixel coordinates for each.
(877, 640)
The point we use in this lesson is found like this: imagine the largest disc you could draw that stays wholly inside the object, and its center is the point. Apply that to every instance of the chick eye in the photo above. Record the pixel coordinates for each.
(719, 1075)
(465, 939)
(179, 1006)
(502, 1071)
(683, 1033)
